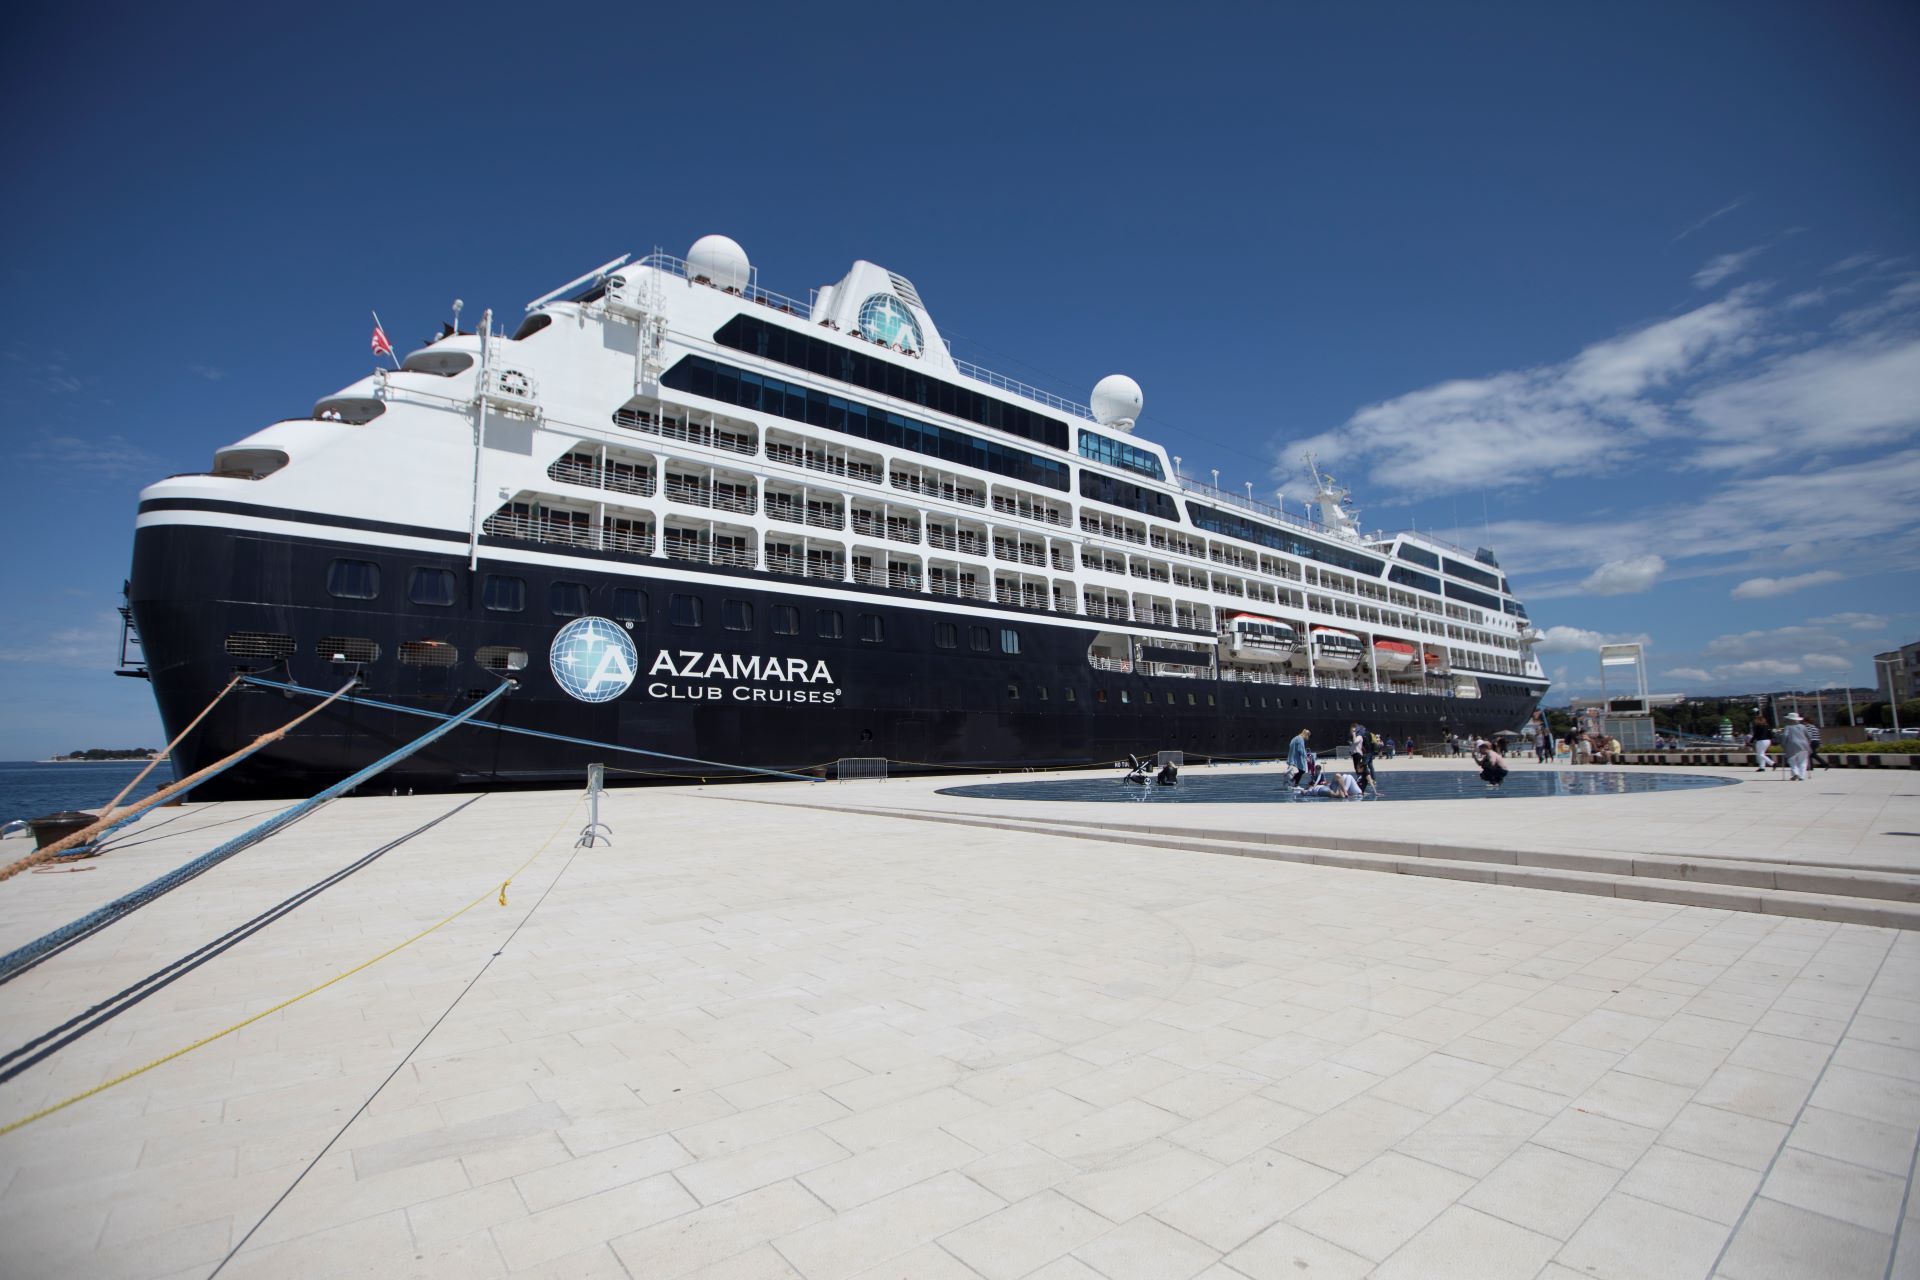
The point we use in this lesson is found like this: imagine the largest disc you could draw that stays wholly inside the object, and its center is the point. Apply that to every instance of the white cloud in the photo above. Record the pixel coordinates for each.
(1825, 662)
(1856, 620)
(93, 646)
(1582, 416)
(1726, 264)
(1624, 577)
(1760, 667)
(1778, 642)
(1580, 640)
(1689, 673)
(112, 455)
(1721, 212)
(1766, 588)
(1845, 396)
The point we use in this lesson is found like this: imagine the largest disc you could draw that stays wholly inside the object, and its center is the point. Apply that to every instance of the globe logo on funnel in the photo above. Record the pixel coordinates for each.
(593, 659)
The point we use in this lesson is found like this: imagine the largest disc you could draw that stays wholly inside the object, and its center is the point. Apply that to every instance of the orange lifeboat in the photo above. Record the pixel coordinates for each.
(1392, 655)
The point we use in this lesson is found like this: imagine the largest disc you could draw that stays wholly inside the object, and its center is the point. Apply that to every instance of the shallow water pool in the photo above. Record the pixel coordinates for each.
(1197, 786)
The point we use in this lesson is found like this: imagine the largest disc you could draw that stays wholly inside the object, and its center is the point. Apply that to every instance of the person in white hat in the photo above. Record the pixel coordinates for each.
(1796, 742)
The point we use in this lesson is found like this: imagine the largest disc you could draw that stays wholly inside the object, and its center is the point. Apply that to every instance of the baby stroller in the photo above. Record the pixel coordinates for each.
(1139, 772)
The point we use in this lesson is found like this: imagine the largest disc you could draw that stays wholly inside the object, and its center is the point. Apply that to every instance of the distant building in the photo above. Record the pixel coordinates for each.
(1903, 666)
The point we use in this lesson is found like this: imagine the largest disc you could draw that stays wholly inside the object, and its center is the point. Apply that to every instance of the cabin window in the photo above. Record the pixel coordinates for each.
(503, 594)
(430, 586)
(785, 620)
(1189, 699)
(1013, 692)
(353, 579)
(873, 628)
(1099, 695)
(1009, 640)
(630, 604)
(683, 610)
(1124, 699)
(1073, 695)
(567, 599)
(946, 635)
(1147, 698)
(501, 657)
(736, 615)
(978, 639)
(828, 624)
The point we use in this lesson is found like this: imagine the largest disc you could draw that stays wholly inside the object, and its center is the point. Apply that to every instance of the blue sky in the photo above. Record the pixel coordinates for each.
(1637, 291)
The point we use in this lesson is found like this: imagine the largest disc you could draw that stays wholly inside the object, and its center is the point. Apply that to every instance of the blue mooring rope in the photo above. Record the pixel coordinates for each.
(535, 733)
(18, 961)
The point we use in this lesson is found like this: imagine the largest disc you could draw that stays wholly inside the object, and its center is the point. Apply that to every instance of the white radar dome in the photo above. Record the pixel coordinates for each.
(1116, 401)
(720, 260)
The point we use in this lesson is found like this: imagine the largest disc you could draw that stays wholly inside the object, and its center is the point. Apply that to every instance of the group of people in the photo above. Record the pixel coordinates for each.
(1799, 744)
(1307, 778)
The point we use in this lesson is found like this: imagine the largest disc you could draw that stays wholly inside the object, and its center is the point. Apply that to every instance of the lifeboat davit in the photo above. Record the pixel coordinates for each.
(1392, 655)
(1336, 650)
(1252, 638)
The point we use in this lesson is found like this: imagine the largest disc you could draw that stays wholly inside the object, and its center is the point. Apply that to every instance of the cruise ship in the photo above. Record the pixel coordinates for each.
(709, 530)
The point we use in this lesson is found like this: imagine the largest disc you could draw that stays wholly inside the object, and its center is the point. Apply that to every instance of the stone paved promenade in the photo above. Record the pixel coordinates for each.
(759, 1038)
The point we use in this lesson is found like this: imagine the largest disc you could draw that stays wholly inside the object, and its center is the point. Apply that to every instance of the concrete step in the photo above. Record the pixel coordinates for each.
(1846, 897)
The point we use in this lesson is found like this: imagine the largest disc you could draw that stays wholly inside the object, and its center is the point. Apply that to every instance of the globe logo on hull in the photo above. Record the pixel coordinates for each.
(593, 659)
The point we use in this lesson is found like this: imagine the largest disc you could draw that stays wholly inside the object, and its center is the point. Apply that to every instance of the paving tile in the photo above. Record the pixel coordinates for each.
(1780, 1242)
(1747, 1141)
(1283, 1252)
(1837, 1189)
(1543, 1190)
(602, 1171)
(1374, 1211)
(1016, 1172)
(1888, 1148)
(595, 1219)
(1144, 1249)
(1132, 1183)
(1229, 1208)
(708, 1236)
(1594, 1137)
(1462, 1244)
(928, 1262)
(1238, 1129)
(1630, 1239)
(1472, 1137)
(1695, 1184)
(1651, 1104)
(1754, 1093)
(1352, 1133)
(1870, 1096)
(1013, 1241)
(750, 1168)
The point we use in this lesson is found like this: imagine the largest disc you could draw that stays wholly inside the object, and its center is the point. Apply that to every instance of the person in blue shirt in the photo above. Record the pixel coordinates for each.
(1298, 753)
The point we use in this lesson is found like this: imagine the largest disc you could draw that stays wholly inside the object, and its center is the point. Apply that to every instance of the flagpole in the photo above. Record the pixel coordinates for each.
(383, 332)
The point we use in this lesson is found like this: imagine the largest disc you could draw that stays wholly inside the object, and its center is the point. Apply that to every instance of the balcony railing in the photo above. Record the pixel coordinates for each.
(794, 456)
(699, 551)
(712, 437)
(972, 544)
(793, 512)
(696, 493)
(937, 489)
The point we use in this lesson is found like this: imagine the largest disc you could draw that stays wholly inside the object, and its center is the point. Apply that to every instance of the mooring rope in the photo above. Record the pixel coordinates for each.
(112, 820)
(537, 733)
(16, 962)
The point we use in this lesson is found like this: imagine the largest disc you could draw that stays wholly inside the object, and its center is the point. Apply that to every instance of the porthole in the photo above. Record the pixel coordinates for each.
(259, 644)
(428, 653)
(348, 649)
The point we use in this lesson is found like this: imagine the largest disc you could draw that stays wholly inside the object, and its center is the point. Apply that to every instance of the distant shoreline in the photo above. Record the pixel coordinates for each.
(70, 760)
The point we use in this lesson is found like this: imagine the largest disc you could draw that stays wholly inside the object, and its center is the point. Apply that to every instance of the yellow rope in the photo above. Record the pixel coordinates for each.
(201, 1043)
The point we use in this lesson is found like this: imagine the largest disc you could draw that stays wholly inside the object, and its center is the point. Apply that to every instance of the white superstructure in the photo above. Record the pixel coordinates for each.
(672, 412)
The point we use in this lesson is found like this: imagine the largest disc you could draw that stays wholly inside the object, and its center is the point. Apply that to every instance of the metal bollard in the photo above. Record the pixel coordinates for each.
(595, 830)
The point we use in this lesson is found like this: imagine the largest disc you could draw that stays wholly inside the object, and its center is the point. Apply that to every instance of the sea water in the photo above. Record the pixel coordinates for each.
(31, 789)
